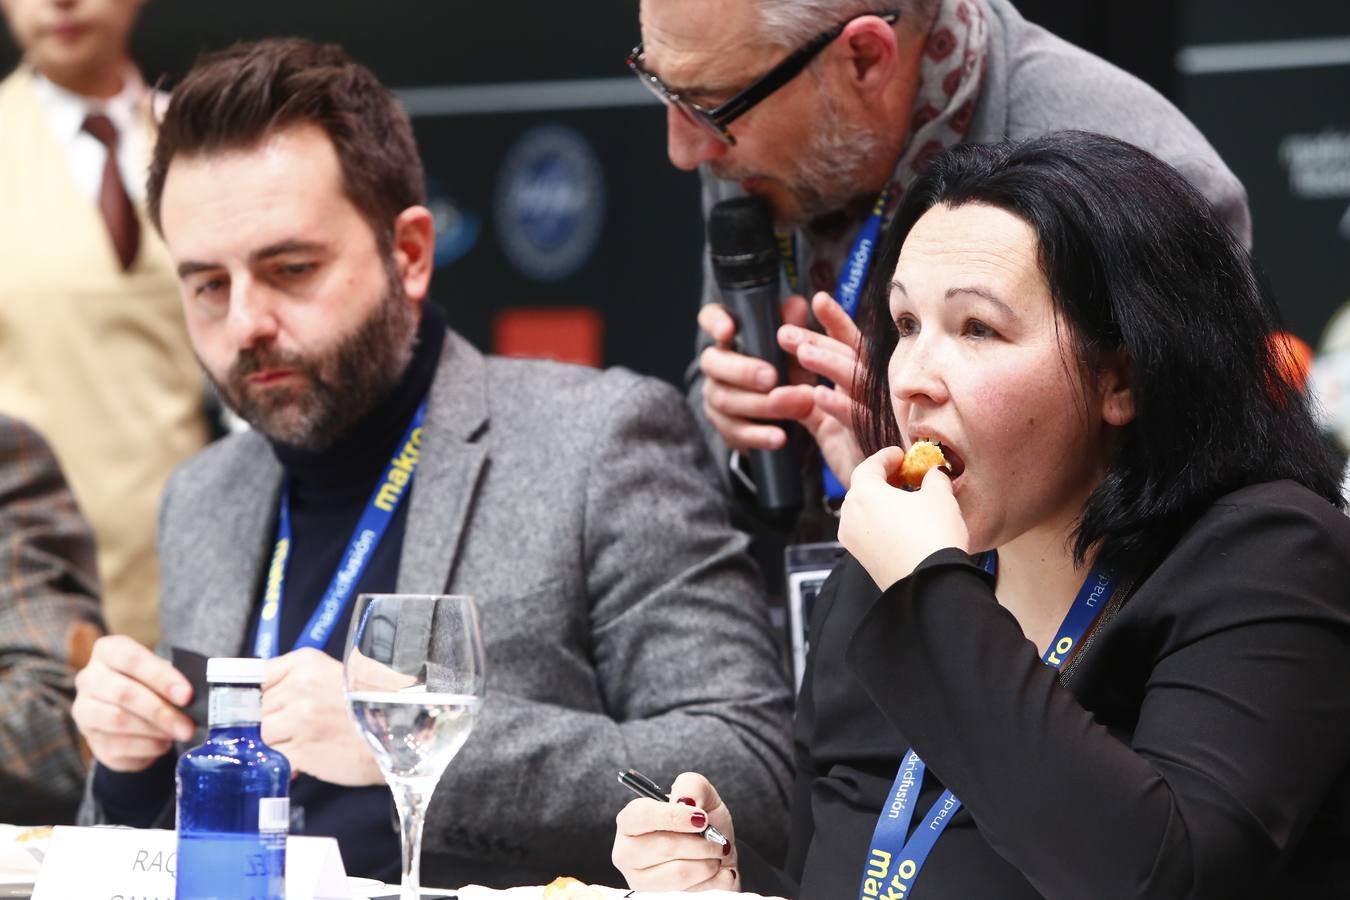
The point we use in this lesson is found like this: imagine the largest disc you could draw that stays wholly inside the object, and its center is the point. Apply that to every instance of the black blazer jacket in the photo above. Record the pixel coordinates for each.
(1195, 746)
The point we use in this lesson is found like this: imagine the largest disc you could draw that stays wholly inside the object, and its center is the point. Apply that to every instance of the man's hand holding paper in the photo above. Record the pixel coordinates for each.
(305, 716)
(127, 704)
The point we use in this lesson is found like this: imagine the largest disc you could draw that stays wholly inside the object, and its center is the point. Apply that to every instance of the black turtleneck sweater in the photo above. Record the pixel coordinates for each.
(329, 490)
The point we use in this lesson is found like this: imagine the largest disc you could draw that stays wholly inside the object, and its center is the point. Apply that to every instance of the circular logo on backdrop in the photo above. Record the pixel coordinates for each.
(456, 228)
(550, 204)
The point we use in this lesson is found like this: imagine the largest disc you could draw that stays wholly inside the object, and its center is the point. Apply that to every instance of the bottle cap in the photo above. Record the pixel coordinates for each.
(234, 670)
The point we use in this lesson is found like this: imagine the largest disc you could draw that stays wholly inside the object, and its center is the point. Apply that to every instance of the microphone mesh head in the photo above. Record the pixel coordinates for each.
(741, 241)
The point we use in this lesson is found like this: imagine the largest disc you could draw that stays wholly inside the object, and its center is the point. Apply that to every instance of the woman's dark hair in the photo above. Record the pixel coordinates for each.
(1139, 266)
(234, 98)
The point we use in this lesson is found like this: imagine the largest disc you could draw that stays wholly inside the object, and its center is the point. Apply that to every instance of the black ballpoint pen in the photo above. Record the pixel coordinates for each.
(643, 786)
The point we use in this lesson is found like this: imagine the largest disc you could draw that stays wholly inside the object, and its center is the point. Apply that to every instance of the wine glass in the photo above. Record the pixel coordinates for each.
(414, 675)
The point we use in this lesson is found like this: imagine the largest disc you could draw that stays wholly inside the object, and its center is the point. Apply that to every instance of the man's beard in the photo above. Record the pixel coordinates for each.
(830, 172)
(334, 390)
(834, 168)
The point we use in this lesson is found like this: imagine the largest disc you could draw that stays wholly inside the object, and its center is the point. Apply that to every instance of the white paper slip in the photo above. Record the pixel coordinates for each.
(82, 863)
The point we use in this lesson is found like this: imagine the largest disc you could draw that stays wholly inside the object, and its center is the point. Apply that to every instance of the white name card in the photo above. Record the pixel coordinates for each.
(140, 864)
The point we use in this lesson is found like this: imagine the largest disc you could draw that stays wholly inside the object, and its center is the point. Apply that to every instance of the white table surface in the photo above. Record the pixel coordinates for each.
(22, 848)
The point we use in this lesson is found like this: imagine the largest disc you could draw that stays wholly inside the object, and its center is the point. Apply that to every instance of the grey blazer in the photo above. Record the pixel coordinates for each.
(619, 610)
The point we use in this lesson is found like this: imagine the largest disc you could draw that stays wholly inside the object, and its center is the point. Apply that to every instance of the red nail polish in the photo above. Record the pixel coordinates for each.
(698, 819)
(726, 849)
(687, 801)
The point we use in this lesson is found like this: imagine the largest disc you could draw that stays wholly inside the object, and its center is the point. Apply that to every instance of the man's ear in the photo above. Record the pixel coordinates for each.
(872, 54)
(414, 250)
(1114, 386)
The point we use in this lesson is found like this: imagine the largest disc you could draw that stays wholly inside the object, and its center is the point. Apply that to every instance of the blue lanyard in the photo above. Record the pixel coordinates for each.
(848, 291)
(370, 529)
(849, 294)
(859, 261)
(893, 863)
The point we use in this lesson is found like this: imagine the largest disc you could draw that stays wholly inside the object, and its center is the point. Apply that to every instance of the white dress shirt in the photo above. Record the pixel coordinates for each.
(66, 112)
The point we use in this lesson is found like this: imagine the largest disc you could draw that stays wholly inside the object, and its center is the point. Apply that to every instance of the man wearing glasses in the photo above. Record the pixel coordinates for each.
(827, 109)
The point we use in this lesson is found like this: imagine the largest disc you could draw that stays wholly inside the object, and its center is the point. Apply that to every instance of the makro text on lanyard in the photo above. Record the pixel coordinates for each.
(848, 293)
(893, 863)
(370, 528)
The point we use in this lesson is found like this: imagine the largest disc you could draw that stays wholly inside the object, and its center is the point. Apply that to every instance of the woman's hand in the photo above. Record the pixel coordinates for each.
(889, 530)
(658, 846)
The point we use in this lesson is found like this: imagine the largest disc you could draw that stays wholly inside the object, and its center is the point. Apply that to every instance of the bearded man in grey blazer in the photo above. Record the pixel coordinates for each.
(618, 607)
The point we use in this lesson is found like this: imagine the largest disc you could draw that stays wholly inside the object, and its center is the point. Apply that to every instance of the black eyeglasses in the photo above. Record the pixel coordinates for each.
(717, 119)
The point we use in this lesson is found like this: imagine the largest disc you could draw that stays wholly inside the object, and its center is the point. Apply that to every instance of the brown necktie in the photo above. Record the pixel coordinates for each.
(118, 213)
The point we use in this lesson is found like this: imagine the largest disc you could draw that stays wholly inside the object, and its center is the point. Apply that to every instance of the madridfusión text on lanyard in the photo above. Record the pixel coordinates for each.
(895, 856)
(370, 528)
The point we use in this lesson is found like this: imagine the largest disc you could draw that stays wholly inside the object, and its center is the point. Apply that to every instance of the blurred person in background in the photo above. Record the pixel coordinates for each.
(577, 507)
(1329, 384)
(49, 619)
(93, 351)
(828, 109)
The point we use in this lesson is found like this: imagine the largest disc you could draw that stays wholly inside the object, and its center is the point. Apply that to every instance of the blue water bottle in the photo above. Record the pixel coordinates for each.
(233, 803)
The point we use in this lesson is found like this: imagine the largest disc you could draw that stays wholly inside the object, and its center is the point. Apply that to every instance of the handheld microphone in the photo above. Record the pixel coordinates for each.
(745, 264)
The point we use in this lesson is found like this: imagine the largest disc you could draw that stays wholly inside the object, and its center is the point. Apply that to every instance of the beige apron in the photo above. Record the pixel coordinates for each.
(95, 358)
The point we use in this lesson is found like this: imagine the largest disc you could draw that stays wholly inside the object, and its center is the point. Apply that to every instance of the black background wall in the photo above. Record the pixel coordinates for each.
(588, 212)
(1269, 85)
